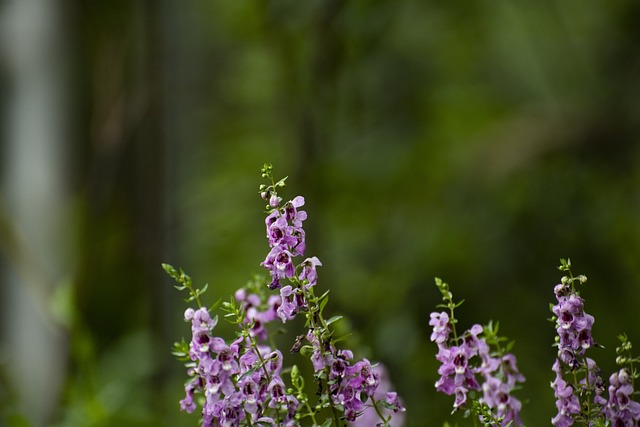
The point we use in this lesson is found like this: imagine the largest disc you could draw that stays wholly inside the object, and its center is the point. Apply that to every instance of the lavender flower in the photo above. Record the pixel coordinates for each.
(441, 327)
(393, 406)
(256, 315)
(240, 382)
(457, 377)
(237, 380)
(501, 377)
(594, 381)
(573, 325)
(620, 409)
(567, 402)
(292, 301)
(309, 271)
(286, 239)
(467, 364)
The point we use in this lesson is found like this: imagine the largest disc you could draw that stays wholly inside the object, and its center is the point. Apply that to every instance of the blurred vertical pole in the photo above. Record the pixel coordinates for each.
(153, 163)
(34, 166)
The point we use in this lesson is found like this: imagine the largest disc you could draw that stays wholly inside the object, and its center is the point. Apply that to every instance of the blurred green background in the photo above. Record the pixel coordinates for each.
(475, 141)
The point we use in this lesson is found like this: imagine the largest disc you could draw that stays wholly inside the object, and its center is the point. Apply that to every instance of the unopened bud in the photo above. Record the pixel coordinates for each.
(623, 376)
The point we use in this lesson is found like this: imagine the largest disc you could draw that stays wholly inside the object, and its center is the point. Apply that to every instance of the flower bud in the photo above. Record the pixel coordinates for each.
(623, 376)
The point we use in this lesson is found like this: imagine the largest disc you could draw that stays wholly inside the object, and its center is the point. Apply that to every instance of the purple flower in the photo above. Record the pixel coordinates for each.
(567, 402)
(187, 404)
(500, 378)
(280, 233)
(365, 378)
(441, 327)
(457, 378)
(317, 359)
(201, 327)
(277, 392)
(393, 400)
(279, 262)
(256, 319)
(218, 381)
(227, 358)
(231, 412)
(292, 408)
(265, 421)
(274, 201)
(292, 214)
(497, 395)
(289, 306)
(287, 240)
(248, 360)
(621, 410)
(396, 410)
(274, 363)
(460, 366)
(309, 271)
(510, 370)
(595, 382)
(573, 325)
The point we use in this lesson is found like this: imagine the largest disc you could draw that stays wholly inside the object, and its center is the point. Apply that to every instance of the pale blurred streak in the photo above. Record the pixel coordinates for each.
(35, 195)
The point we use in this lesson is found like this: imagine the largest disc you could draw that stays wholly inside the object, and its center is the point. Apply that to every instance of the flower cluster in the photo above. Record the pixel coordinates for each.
(351, 386)
(581, 397)
(468, 364)
(567, 402)
(573, 325)
(286, 240)
(256, 317)
(620, 409)
(391, 404)
(240, 382)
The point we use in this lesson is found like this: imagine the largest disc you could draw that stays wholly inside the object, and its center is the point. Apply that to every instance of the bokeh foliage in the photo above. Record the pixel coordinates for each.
(474, 141)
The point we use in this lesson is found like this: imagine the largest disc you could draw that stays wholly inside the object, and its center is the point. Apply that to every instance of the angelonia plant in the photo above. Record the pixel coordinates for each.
(245, 380)
(478, 371)
(582, 396)
(476, 366)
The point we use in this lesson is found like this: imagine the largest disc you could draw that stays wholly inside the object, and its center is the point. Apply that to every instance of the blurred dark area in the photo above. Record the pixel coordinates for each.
(479, 142)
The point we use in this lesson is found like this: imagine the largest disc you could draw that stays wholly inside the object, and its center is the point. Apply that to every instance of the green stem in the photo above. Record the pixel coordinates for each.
(314, 310)
(375, 406)
(254, 346)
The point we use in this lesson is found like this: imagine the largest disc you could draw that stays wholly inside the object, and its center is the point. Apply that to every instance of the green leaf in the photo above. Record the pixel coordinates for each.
(215, 305)
(281, 182)
(334, 319)
(324, 301)
(170, 270)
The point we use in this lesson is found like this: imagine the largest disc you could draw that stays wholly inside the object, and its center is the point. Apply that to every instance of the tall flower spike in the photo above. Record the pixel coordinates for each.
(468, 364)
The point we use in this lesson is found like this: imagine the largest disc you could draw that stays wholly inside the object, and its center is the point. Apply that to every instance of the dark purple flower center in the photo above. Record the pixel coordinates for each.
(567, 317)
(460, 360)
